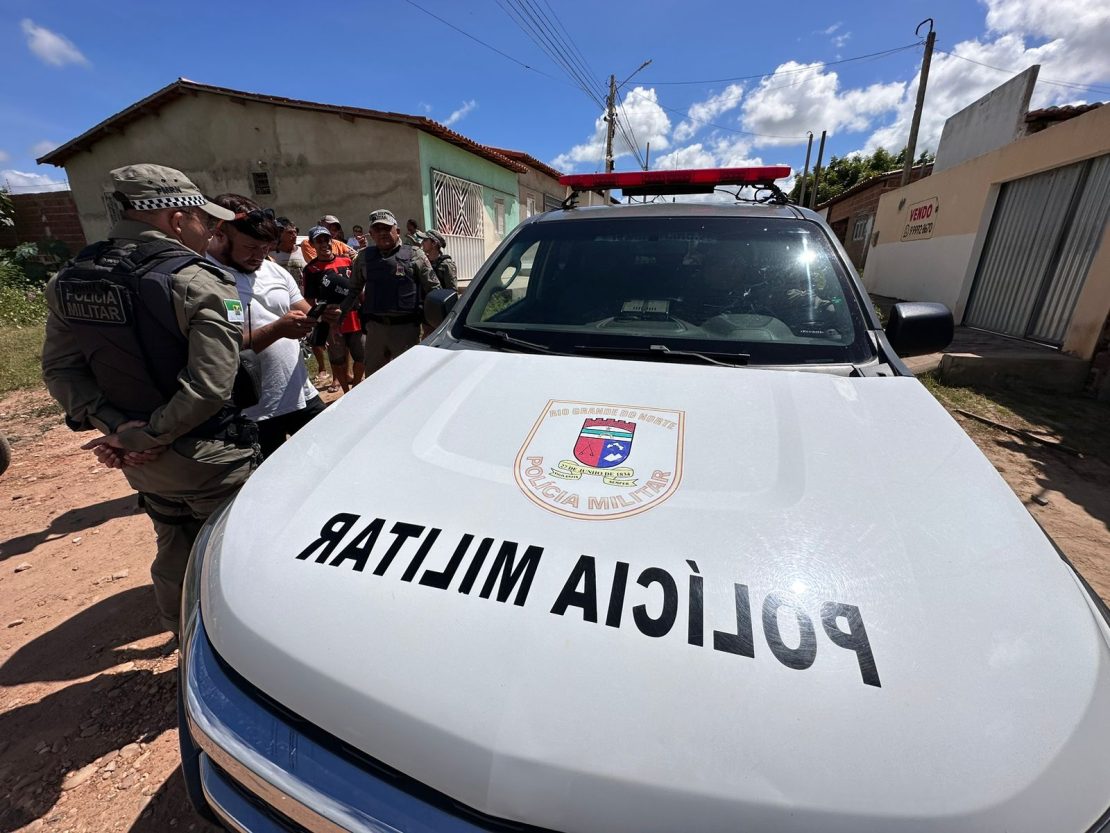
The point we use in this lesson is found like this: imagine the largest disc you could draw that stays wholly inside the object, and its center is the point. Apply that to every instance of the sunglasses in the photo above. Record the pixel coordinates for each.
(255, 216)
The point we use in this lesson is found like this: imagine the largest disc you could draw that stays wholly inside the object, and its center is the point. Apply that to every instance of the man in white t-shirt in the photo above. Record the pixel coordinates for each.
(276, 317)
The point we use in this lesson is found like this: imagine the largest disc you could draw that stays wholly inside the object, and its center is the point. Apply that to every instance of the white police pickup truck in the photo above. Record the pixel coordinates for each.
(654, 533)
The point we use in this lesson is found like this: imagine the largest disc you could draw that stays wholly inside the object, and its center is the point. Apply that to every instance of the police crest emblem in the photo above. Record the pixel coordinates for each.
(602, 477)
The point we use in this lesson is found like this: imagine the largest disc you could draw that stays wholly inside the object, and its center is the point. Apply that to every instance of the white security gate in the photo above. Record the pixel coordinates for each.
(458, 213)
(1041, 242)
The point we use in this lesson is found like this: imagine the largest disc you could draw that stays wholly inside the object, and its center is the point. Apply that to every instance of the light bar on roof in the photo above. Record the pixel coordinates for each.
(692, 181)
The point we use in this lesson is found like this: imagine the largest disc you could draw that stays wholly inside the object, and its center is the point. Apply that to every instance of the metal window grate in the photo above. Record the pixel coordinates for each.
(260, 183)
(458, 205)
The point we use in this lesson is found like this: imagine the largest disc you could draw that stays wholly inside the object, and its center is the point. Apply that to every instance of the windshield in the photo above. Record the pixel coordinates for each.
(769, 289)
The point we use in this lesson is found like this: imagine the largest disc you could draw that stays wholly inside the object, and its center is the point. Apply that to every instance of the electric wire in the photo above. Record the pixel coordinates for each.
(1075, 84)
(541, 33)
(880, 54)
(482, 42)
(564, 44)
(539, 40)
(581, 57)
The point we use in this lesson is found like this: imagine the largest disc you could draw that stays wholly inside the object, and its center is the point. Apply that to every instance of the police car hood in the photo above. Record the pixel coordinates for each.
(829, 612)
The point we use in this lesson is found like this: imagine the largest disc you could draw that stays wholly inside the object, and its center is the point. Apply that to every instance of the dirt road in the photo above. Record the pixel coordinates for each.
(88, 738)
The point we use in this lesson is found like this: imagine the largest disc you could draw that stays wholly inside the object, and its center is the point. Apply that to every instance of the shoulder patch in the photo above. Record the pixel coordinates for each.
(234, 310)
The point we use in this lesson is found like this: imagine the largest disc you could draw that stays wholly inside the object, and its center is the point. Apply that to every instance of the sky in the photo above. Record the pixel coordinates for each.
(729, 83)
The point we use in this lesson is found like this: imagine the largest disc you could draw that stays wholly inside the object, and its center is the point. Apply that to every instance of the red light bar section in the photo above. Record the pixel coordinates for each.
(699, 178)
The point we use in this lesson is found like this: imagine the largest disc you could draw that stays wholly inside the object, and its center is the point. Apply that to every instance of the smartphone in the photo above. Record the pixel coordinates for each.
(318, 310)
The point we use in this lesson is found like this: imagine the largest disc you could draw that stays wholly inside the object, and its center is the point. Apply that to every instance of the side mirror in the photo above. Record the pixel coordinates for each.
(438, 305)
(919, 327)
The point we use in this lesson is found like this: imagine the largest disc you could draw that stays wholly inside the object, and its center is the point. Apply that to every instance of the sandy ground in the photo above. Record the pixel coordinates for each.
(88, 738)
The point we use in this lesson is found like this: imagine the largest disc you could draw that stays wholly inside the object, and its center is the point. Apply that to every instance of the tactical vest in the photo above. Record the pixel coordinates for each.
(391, 287)
(118, 303)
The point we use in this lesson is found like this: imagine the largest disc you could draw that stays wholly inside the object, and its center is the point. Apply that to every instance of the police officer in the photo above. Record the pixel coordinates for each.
(395, 278)
(142, 344)
(433, 244)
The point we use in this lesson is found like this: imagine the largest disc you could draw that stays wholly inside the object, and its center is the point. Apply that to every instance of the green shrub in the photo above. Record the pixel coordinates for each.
(22, 302)
(20, 357)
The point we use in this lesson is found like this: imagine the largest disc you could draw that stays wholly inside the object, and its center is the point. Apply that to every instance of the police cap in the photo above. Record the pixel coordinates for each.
(436, 238)
(147, 187)
(382, 217)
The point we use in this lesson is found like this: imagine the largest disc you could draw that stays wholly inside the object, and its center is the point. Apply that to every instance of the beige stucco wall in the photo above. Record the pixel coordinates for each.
(942, 267)
(535, 184)
(318, 162)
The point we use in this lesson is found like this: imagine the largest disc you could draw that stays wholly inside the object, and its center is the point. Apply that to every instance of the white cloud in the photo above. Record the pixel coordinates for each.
(801, 97)
(1074, 50)
(702, 112)
(691, 156)
(642, 117)
(838, 41)
(721, 152)
(42, 148)
(425, 106)
(460, 114)
(51, 47)
(23, 182)
(4, 157)
(832, 29)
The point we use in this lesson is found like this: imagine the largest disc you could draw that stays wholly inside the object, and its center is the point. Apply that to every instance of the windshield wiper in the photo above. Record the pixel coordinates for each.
(520, 343)
(662, 350)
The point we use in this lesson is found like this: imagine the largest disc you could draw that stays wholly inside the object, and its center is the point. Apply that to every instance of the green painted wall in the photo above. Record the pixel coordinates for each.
(496, 182)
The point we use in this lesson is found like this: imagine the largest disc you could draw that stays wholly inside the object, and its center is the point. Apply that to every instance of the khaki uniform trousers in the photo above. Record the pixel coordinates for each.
(180, 490)
(388, 341)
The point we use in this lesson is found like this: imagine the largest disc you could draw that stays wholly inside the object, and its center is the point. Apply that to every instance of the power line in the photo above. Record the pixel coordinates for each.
(531, 20)
(574, 46)
(634, 142)
(540, 40)
(1092, 87)
(880, 54)
(566, 50)
(482, 42)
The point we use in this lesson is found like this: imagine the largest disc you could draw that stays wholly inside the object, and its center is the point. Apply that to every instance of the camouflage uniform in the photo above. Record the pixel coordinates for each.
(446, 271)
(186, 483)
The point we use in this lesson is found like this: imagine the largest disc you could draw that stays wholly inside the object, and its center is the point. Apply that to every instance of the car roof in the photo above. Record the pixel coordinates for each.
(679, 209)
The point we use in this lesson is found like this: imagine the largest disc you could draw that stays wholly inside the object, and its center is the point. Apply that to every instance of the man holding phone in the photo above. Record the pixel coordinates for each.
(327, 280)
(274, 316)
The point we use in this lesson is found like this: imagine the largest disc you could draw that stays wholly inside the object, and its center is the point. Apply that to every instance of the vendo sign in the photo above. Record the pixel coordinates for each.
(920, 220)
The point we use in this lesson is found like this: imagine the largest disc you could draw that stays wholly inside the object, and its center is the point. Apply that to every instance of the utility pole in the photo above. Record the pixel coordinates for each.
(911, 146)
(805, 173)
(611, 118)
(817, 169)
(610, 127)
(611, 122)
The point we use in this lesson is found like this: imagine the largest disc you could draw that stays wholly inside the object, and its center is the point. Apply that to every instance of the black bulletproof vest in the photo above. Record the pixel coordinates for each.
(118, 302)
(391, 285)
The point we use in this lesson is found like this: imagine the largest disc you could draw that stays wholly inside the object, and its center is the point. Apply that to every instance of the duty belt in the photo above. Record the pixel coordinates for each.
(239, 431)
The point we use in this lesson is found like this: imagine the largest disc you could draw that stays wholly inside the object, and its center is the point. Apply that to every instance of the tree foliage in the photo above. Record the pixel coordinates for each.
(7, 210)
(843, 172)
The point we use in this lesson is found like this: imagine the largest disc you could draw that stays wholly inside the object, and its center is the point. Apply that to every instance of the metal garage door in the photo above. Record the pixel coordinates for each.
(1040, 245)
(458, 217)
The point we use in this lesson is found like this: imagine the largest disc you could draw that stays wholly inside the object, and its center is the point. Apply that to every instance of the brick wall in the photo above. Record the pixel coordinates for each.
(47, 215)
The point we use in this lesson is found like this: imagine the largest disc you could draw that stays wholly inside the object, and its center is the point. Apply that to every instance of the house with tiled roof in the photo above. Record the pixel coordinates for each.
(304, 159)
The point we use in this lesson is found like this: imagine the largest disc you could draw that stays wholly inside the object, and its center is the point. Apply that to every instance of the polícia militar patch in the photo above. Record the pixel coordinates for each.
(597, 461)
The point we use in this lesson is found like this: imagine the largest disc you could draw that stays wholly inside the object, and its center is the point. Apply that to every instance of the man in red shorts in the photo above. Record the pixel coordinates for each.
(327, 275)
